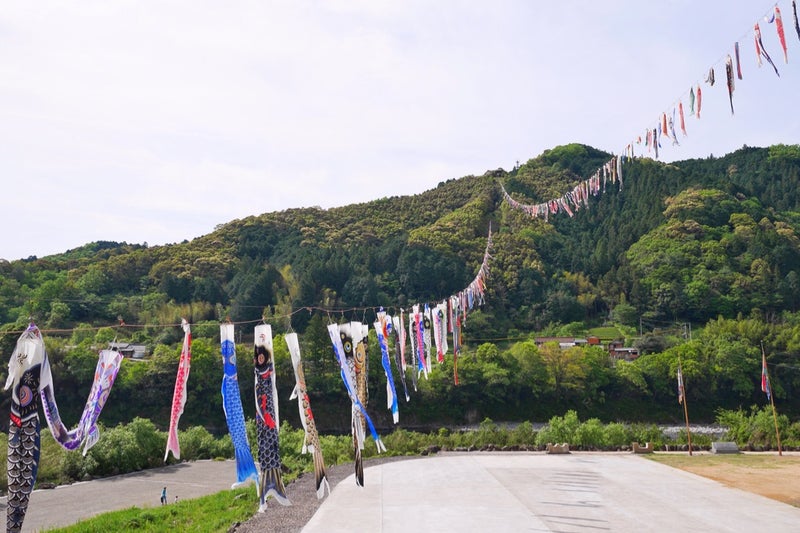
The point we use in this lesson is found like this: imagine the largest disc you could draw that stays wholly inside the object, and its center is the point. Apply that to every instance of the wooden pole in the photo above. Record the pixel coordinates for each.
(771, 400)
(685, 407)
(775, 417)
(688, 432)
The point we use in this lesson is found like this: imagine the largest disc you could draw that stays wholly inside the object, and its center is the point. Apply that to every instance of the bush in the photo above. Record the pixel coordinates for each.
(522, 435)
(291, 450)
(756, 430)
(590, 434)
(617, 435)
(197, 443)
(643, 433)
(563, 428)
(401, 441)
(130, 448)
(489, 433)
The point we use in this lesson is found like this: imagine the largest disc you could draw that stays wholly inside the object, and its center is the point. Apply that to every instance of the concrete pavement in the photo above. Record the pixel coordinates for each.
(580, 492)
(473, 492)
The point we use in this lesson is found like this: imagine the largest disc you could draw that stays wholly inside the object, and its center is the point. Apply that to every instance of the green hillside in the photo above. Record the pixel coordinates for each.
(697, 242)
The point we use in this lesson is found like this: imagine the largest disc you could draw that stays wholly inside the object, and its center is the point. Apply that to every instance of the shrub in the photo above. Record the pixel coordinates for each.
(489, 433)
(197, 443)
(563, 428)
(756, 430)
(522, 435)
(590, 434)
(643, 433)
(617, 435)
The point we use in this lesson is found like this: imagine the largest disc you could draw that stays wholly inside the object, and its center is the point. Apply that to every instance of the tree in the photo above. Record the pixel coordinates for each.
(564, 369)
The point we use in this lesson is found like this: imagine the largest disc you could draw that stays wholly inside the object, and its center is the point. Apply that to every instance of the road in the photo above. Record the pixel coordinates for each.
(68, 504)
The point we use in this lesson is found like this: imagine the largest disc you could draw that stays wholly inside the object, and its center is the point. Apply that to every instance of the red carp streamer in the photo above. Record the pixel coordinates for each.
(179, 394)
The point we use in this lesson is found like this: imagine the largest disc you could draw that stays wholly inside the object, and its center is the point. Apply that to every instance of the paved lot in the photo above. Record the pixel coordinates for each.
(68, 504)
(580, 492)
(475, 492)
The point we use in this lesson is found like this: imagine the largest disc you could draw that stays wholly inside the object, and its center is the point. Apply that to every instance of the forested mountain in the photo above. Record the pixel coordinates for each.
(690, 241)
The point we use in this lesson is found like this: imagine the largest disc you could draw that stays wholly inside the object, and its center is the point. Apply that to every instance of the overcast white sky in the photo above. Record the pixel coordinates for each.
(155, 121)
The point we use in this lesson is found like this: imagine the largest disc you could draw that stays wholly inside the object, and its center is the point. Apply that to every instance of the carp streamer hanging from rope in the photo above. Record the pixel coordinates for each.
(232, 405)
(267, 422)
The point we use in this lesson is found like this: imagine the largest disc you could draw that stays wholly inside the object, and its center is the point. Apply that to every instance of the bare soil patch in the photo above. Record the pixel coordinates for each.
(765, 473)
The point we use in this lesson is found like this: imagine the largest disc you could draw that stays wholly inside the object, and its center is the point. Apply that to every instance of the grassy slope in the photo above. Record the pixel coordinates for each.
(212, 513)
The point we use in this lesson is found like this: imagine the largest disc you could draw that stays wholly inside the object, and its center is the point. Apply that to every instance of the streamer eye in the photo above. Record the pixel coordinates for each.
(348, 346)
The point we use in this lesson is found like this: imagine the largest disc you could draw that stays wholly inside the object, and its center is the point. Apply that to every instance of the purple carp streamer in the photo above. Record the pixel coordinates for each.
(761, 51)
(311, 438)
(267, 422)
(342, 345)
(794, 17)
(86, 432)
(382, 327)
(416, 368)
(24, 374)
(179, 394)
(232, 406)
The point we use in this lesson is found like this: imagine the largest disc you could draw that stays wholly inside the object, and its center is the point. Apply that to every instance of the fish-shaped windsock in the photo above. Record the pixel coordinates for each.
(427, 334)
(179, 394)
(359, 333)
(267, 422)
(418, 332)
(455, 303)
(24, 373)
(413, 339)
(439, 316)
(232, 406)
(382, 327)
(399, 336)
(86, 432)
(342, 342)
(781, 34)
(311, 438)
(108, 365)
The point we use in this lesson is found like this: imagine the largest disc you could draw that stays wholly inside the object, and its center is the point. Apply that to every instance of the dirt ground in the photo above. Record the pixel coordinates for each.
(768, 474)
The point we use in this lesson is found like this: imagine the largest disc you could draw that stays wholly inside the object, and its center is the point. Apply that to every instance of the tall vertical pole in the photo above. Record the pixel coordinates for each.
(771, 399)
(685, 407)
(775, 417)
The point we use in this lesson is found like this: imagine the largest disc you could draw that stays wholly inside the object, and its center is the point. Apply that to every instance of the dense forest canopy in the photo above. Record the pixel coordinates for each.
(710, 242)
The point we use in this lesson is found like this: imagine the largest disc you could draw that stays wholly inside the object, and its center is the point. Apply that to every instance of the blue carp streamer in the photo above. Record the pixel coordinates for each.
(347, 371)
(232, 405)
(383, 327)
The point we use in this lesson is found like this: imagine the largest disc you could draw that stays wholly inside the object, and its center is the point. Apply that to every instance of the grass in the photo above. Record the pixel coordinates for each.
(605, 333)
(740, 460)
(212, 513)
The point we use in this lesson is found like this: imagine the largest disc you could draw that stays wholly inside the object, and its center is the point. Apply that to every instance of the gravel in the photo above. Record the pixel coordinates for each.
(302, 493)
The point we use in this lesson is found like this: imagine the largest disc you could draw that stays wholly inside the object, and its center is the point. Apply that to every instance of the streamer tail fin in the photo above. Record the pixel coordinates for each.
(320, 475)
(272, 485)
